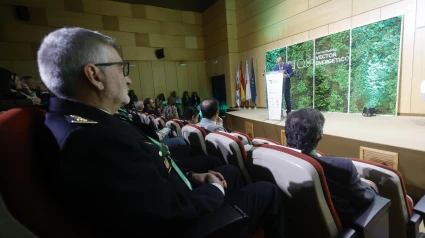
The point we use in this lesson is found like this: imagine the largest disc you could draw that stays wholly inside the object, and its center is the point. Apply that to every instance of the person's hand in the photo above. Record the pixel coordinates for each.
(166, 147)
(206, 178)
(36, 100)
(371, 184)
(219, 176)
(219, 121)
(130, 116)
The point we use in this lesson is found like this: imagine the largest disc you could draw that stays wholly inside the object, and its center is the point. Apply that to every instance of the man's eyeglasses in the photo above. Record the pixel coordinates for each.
(125, 64)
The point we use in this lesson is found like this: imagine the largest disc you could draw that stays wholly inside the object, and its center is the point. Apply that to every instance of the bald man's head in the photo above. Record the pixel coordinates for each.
(209, 108)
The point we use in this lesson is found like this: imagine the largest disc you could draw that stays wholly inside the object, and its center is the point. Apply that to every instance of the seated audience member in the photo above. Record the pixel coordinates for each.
(350, 193)
(211, 121)
(196, 100)
(160, 102)
(105, 162)
(12, 93)
(149, 107)
(186, 100)
(139, 106)
(170, 112)
(191, 116)
(36, 89)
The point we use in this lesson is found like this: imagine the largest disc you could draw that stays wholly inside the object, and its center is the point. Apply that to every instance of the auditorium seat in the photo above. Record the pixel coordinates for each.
(144, 118)
(261, 141)
(229, 149)
(308, 204)
(246, 140)
(404, 220)
(28, 209)
(176, 127)
(195, 135)
(160, 122)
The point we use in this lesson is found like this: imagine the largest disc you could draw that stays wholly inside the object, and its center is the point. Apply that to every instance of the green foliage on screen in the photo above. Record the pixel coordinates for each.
(271, 57)
(374, 66)
(300, 56)
(331, 80)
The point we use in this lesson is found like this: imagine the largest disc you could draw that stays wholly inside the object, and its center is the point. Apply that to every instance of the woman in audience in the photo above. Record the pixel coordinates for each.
(133, 97)
(13, 93)
(196, 100)
(170, 112)
(160, 101)
(191, 116)
(186, 100)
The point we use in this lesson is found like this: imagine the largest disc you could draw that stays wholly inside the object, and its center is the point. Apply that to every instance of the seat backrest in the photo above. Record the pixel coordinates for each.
(143, 118)
(229, 149)
(160, 122)
(261, 141)
(390, 184)
(195, 135)
(246, 140)
(24, 148)
(301, 179)
(176, 127)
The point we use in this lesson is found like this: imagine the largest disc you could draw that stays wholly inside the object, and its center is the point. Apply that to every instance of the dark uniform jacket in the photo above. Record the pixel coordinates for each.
(116, 179)
(349, 194)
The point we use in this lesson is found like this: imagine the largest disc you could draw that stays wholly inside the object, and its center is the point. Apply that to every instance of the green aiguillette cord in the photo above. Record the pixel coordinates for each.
(165, 153)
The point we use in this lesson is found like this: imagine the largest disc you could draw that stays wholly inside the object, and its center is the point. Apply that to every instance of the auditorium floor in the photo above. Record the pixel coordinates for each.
(399, 131)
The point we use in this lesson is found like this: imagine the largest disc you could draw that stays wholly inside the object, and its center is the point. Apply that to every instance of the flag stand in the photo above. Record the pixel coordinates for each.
(249, 104)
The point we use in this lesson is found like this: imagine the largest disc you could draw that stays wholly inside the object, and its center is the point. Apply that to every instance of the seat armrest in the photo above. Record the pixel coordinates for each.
(413, 225)
(222, 222)
(374, 219)
(348, 233)
(420, 207)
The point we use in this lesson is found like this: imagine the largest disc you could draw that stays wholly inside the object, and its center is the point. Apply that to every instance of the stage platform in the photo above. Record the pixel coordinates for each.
(398, 131)
(345, 133)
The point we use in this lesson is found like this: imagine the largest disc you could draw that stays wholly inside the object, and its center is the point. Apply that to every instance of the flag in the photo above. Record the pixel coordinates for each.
(238, 86)
(253, 88)
(242, 80)
(247, 82)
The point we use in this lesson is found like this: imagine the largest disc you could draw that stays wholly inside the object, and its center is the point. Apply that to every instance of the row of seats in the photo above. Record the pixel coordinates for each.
(301, 179)
(303, 183)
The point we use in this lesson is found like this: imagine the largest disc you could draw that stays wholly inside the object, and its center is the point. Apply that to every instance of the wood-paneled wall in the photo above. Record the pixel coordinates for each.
(263, 25)
(138, 29)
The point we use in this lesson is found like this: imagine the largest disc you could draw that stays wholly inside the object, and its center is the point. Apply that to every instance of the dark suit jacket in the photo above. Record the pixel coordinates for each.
(349, 194)
(114, 178)
(150, 111)
(287, 67)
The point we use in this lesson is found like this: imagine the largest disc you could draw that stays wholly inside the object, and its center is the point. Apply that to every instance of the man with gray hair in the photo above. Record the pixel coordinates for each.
(108, 172)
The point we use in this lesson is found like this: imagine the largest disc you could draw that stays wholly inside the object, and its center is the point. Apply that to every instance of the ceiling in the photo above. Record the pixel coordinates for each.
(183, 5)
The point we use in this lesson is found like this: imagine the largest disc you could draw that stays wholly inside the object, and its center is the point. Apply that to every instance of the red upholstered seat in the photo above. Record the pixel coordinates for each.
(22, 187)
(195, 135)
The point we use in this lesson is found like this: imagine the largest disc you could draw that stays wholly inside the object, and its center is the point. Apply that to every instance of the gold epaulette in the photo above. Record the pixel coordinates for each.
(79, 120)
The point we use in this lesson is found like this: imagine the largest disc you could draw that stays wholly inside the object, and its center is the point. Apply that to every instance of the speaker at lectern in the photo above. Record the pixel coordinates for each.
(274, 94)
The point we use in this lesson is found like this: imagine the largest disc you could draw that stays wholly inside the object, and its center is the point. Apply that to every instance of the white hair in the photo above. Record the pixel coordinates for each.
(63, 54)
(137, 104)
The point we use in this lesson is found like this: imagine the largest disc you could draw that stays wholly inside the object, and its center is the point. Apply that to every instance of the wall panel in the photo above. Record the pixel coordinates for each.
(159, 81)
(108, 8)
(182, 79)
(180, 29)
(314, 3)
(139, 25)
(361, 6)
(417, 105)
(146, 80)
(193, 77)
(163, 14)
(18, 32)
(158, 40)
(170, 77)
(63, 18)
(122, 38)
(16, 51)
(204, 89)
(138, 53)
(339, 26)
(366, 18)
(135, 79)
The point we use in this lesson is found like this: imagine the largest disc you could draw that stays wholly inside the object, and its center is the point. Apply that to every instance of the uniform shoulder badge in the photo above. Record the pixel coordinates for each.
(79, 120)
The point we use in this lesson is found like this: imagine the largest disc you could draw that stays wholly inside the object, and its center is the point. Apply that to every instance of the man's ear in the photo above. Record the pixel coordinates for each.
(94, 76)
